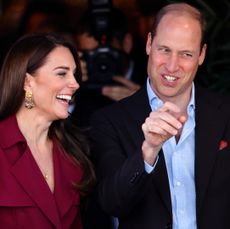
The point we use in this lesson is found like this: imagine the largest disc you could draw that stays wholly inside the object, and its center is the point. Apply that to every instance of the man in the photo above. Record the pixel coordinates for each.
(162, 155)
(126, 75)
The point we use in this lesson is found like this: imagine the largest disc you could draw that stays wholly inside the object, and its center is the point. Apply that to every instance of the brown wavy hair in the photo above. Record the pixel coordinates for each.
(27, 55)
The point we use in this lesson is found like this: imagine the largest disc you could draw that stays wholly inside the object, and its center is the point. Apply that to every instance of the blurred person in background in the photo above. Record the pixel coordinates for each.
(25, 16)
(45, 171)
(47, 17)
(39, 13)
(121, 74)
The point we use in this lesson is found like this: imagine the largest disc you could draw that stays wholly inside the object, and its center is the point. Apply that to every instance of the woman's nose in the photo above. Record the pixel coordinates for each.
(73, 83)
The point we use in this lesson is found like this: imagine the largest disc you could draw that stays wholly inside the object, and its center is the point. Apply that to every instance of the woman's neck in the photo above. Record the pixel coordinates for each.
(33, 127)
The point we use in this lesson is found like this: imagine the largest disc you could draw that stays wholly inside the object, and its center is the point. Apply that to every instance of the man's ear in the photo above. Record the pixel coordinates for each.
(149, 43)
(128, 43)
(202, 54)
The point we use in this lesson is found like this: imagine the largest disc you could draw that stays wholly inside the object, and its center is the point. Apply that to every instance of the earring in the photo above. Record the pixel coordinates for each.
(29, 103)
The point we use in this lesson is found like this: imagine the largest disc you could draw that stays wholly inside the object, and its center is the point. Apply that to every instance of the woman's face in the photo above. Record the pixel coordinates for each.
(54, 84)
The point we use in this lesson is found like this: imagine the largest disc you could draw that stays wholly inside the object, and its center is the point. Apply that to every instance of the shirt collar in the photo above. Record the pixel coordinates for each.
(155, 102)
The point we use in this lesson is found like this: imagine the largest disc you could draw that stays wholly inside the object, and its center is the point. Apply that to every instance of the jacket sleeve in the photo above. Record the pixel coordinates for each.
(116, 152)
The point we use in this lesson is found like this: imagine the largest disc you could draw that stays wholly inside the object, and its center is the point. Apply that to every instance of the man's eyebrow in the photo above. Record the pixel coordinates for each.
(162, 46)
(187, 51)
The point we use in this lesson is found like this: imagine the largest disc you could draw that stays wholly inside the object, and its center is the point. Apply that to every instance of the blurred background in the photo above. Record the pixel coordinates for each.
(18, 17)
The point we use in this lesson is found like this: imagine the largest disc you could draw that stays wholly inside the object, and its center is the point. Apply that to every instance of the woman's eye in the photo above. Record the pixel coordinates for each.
(61, 73)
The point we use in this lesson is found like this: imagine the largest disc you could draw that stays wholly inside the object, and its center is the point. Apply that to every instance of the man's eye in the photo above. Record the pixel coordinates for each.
(187, 54)
(164, 50)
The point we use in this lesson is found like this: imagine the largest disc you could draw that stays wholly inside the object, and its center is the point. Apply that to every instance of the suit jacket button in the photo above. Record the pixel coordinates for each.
(168, 226)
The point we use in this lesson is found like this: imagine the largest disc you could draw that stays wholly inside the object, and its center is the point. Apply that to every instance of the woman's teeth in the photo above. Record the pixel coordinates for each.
(64, 97)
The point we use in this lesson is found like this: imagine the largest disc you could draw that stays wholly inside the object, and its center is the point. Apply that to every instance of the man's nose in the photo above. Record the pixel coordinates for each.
(172, 64)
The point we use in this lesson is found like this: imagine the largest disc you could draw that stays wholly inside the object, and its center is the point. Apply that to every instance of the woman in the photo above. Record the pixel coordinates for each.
(44, 168)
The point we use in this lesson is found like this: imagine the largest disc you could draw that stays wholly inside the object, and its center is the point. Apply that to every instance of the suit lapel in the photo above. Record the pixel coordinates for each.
(139, 109)
(138, 106)
(162, 183)
(207, 137)
(28, 175)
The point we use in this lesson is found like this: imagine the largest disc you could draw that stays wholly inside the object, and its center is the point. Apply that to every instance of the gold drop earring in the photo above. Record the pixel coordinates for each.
(29, 102)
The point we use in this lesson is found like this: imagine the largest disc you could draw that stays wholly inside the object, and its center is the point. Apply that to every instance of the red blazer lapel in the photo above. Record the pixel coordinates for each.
(32, 188)
(28, 175)
(66, 175)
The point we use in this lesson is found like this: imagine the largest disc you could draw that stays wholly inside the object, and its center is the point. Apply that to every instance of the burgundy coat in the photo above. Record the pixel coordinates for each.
(25, 198)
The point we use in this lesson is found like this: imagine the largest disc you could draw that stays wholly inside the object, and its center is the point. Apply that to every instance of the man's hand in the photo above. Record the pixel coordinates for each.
(161, 125)
(116, 93)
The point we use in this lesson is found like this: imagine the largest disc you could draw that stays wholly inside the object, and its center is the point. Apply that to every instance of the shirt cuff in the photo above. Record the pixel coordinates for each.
(149, 168)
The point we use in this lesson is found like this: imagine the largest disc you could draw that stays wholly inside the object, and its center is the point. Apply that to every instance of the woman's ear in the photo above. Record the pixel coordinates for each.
(28, 80)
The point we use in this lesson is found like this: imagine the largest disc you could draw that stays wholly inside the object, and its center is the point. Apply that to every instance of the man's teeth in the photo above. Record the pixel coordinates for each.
(64, 97)
(170, 78)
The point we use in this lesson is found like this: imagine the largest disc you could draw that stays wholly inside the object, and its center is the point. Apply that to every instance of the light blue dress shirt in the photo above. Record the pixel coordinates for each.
(179, 158)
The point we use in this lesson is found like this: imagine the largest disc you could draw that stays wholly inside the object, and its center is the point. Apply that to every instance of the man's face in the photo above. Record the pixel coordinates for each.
(174, 56)
(86, 42)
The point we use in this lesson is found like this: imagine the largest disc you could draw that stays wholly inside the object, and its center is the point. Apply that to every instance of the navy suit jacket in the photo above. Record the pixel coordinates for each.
(142, 200)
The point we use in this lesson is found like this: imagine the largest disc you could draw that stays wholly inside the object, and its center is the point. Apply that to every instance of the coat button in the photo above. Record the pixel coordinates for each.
(168, 226)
